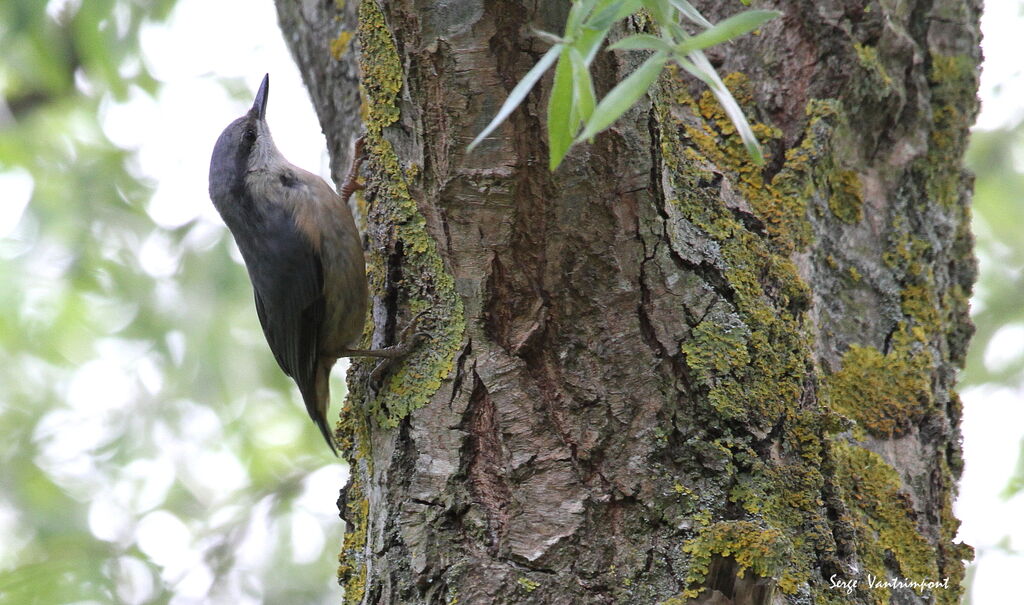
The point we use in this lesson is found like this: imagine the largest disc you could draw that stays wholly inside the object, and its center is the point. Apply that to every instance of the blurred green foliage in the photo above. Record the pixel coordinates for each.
(997, 159)
(995, 360)
(996, 357)
(152, 451)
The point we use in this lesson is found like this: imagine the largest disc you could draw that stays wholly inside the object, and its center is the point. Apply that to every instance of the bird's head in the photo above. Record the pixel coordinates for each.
(244, 146)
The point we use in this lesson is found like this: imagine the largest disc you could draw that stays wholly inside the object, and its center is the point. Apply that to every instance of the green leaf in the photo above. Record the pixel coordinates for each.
(690, 12)
(606, 14)
(548, 37)
(624, 95)
(580, 10)
(589, 42)
(678, 31)
(595, 29)
(694, 70)
(583, 87)
(561, 122)
(642, 42)
(518, 93)
(731, 28)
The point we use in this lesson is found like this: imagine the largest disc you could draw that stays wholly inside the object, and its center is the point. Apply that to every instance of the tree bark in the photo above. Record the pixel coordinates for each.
(660, 374)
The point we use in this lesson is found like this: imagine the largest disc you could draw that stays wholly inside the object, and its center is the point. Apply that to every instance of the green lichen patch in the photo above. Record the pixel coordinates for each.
(810, 169)
(905, 250)
(884, 393)
(806, 173)
(380, 66)
(878, 76)
(427, 284)
(884, 519)
(717, 141)
(953, 82)
(846, 201)
(352, 433)
(929, 310)
(351, 565)
(750, 354)
(726, 148)
(918, 302)
(718, 346)
(527, 584)
(788, 495)
(752, 363)
(750, 358)
(339, 45)
(762, 551)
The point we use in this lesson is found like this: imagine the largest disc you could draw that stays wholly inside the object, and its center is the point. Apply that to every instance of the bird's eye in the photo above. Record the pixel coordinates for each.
(250, 134)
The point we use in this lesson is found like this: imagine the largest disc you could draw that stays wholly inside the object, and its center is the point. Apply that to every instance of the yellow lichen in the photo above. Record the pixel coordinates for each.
(763, 551)
(883, 516)
(427, 285)
(953, 82)
(846, 200)
(878, 75)
(752, 358)
(340, 44)
(351, 569)
(884, 394)
(754, 370)
(527, 584)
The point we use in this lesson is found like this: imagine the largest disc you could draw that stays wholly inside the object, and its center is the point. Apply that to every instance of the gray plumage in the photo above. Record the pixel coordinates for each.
(302, 251)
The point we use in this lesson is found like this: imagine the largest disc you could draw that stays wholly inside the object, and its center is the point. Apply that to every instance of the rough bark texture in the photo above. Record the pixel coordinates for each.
(661, 374)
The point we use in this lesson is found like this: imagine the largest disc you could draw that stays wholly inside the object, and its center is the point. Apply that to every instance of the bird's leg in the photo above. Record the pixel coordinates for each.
(352, 184)
(404, 347)
(391, 354)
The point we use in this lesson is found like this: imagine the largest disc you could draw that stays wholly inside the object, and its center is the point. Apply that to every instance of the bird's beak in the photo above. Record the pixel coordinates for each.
(259, 106)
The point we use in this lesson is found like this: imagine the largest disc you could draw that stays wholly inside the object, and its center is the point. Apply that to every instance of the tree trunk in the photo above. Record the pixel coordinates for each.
(660, 374)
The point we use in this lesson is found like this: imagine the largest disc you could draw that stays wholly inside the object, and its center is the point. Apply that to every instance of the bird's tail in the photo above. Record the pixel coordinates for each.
(319, 401)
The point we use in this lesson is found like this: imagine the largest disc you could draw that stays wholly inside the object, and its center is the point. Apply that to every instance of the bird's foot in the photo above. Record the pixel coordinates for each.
(391, 355)
(404, 347)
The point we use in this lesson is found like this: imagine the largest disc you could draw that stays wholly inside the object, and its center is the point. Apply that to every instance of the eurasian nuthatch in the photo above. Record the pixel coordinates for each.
(303, 253)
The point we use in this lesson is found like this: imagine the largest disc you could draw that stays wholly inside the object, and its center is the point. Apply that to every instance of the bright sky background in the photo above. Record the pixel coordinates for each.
(174, 134)
(994, 417)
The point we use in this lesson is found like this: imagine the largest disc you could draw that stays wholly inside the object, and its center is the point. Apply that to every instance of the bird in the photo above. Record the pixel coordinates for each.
(303, 253)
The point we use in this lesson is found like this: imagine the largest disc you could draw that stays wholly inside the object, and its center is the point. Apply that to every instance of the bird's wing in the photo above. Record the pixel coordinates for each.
(288, 284)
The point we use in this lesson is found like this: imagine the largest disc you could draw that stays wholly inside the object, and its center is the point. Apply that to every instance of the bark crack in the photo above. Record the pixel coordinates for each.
(487, 469)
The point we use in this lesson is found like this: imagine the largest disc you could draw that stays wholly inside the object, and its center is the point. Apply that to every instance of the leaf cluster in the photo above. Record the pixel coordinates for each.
(574, 113)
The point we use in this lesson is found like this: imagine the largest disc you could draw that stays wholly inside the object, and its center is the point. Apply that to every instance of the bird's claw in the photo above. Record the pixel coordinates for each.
(418, 336)
(405, 346)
